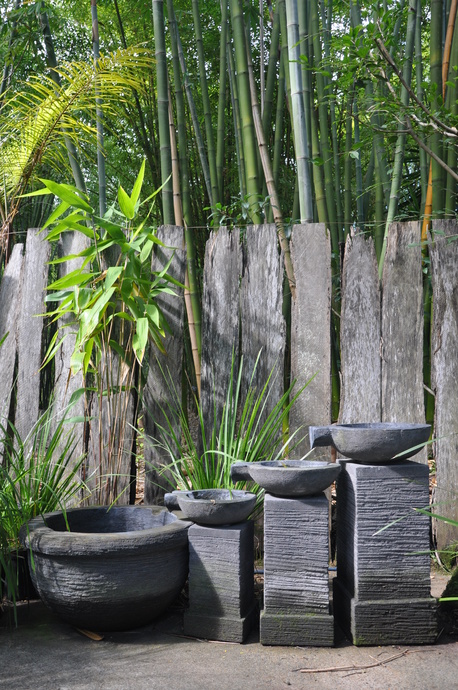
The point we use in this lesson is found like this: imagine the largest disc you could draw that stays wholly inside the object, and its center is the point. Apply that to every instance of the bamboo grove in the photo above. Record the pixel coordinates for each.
(245, 111)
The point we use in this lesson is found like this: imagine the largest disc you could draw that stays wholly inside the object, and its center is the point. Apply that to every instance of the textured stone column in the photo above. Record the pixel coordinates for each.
(382, 591)
(296, 580)
(221, 584)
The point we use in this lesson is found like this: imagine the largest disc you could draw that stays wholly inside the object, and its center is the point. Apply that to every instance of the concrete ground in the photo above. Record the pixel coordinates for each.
(43, 653)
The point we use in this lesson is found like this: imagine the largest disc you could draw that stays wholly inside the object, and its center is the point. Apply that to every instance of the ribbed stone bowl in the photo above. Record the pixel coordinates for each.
(216, 506)
(288, 477)
(372, 444)
(115, 569)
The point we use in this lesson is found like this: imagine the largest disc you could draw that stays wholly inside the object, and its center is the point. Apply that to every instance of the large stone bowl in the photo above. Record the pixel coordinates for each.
(372, 444)
(288, 477)
(216, 506)
(115, 569)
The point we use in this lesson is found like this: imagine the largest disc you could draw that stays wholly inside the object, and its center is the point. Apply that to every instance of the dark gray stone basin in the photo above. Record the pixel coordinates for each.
(214, 506)
(114, 570)
(372, 444)
(288, 477)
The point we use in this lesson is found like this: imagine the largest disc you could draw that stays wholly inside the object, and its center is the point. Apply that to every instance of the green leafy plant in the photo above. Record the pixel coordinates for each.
(38, 474)
(108, 305)
(246, 430)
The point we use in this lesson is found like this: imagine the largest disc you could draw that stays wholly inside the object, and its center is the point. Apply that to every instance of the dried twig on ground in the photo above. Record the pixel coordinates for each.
(363, 667)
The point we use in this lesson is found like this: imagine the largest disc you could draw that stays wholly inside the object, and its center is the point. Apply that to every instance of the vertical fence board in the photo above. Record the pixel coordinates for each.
(444, 262)
(402, 328)
(262, 323)
(10, 301)
(220, 318)
(311, 328)
(66, 385)
(360, 399)
(30, 328)
(158, 392)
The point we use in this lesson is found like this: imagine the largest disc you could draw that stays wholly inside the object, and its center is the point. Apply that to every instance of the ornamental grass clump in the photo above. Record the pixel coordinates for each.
(250, 428)
(38, 474)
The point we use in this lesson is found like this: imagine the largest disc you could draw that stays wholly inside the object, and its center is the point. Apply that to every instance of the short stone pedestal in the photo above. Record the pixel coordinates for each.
(221, 583)
(296, 581)
(382, 590)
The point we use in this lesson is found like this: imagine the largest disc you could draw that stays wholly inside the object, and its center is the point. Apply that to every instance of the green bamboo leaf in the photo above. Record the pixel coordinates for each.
(76, 361)
(146, 250)
(123, 315)
(126, 288)
(154, 314)
(140, 338)
(38, 192)
(117, 348)
(63, 206)
(67, 193)
(72, 279)
(87, 354)
(125, 203)
(138, 185)
(112, 275)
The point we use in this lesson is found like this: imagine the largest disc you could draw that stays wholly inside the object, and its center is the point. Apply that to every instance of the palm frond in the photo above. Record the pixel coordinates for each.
(35, 121)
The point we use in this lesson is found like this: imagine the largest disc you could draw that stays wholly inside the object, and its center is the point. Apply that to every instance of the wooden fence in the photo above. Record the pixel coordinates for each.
(381, 335)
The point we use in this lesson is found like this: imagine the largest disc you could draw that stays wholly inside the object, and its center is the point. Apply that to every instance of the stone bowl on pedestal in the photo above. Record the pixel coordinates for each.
(288, 477)
(213, 506)
(107, 568)
(372, 444)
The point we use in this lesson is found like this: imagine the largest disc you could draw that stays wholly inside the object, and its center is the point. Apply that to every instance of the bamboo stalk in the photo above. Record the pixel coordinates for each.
(211, 153)
(250, 149)
(396, 175)
(220, 139)
(326, 154)
(267, 168)
(297, 106)
(163, 112)
(194, 329)
(99, 115)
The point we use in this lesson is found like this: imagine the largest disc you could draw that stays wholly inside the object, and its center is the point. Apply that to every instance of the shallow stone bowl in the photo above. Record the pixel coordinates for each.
(216, 506)
(291, 477)
(372, 444)
(115, 569)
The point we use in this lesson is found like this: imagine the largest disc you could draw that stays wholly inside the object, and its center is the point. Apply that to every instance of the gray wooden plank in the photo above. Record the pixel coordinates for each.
(311, 329)
(10, 300)
(220, 318)
(262, 323)
(65, 384)
(360, 332)
(30, 328)
(444, 262)
(164, 379)
(109, 441)
(402, 328)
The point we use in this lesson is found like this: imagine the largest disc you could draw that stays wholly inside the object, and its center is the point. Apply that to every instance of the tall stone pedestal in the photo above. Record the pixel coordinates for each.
(221, 583)
(296, 581)
(382, 590)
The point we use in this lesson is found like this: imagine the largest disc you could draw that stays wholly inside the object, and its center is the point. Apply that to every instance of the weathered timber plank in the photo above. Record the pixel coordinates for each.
(65, 385)
(164, 380)
(30, 328)
(360, 397)
(444, 262)
(220, 319)
(10, 300)
(262, 323)
(311, 329)
(402, 328)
